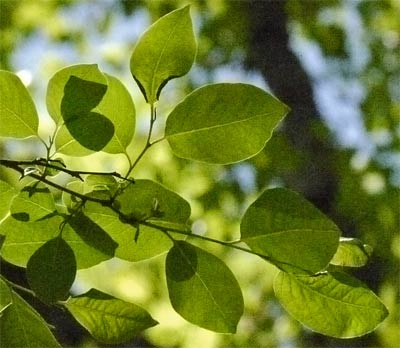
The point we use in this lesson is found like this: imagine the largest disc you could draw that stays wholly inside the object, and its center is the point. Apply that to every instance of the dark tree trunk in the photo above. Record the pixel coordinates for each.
(270, 54)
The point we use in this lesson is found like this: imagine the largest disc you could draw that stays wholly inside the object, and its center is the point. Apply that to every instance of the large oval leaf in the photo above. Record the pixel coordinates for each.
(223, 123)
(5, 296)
(18, 115)
(23, 239)
(202, 289)
(290, 231)
(22, 326)
(33, 202)
(118, 108)
(7, 193)
(108, 319)
(165, 51)
(148, 201)
(78, 76)
(336, 304)
(51, 270)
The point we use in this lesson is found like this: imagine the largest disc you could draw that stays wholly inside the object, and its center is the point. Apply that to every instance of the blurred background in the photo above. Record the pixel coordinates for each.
(336, 63)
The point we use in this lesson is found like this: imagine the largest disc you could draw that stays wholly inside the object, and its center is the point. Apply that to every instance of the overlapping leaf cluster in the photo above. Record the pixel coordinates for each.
(106, 215)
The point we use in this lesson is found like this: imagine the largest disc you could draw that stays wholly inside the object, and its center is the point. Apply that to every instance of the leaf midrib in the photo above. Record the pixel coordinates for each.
(226, 124)
(334, 299)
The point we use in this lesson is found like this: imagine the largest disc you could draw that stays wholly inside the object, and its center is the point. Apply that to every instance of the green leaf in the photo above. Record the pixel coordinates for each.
(73, 94)
(92, 234)
(117, 105)
(351, 253)
(137, 203)
(336, 304)
(150, 201)
(202, 289)
(51, 270)
(109, 320)
(223, 123)
(165, 51)
(23, 239)
(93, 119)
(5, 296)
(7, 193)
(34, 202)
(290, 232)
(18, 115)
(79, 100)
(22, 326)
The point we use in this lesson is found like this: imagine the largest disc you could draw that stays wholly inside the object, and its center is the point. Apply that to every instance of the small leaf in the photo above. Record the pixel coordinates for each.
(165, 51)
(202, 289)
(7, 193)
(290, 231)
(335, 305)
(33, 203)
(51, 270)
(108, 319)
(5, 296)
(351, 253)
(22, 326)
(223, 123)
(18, 115)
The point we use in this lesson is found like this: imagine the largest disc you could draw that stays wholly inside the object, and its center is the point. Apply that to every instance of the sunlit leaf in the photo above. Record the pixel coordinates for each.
(23, 239)
(5, 296)
(202, 289)
(7, 192)
(108, 319)
(33, 202)
(165, 51)
(92, 234)
(351, 253)
(21, 326)
(18, 115)
(336, 304)
(290, 231)
(137, 202)
(117, 105)
(223, 123)
(51, 270)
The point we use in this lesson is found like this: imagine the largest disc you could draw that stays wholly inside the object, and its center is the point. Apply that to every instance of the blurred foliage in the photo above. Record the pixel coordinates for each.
(366, 203)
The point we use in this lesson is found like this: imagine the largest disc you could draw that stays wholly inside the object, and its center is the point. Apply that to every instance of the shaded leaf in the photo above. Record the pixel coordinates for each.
(22, 326)
(18, 115)
(351, 253)
(336, 304)
(223, 123)
(290, 231)
(165, 51)
(202, 289)
(51, 270)
(108, 319)
(33, 202)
